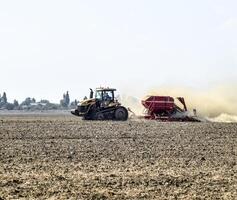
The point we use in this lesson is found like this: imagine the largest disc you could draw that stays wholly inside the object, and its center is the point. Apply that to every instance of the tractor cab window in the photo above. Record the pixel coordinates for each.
(108, 95)
(98, 95)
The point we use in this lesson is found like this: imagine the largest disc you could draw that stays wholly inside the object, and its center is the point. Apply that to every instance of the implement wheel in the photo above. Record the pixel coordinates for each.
(121, 114)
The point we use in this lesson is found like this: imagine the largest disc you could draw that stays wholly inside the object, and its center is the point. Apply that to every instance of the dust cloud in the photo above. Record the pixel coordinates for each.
(224, 118)
(133, 103)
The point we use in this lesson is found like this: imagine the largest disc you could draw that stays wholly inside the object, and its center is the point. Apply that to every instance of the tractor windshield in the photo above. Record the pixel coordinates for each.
(108, 95)
(98, 95)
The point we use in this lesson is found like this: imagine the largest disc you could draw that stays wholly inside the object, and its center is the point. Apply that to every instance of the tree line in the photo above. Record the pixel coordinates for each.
(31, 103)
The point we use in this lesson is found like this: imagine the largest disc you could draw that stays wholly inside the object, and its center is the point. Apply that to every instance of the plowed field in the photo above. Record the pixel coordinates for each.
(63, 157)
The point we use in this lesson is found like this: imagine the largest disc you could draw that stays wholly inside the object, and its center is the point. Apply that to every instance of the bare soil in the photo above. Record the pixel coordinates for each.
(63, 157)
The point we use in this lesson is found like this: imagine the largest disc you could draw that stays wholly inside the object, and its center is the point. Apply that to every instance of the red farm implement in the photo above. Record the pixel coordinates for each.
(164, 108)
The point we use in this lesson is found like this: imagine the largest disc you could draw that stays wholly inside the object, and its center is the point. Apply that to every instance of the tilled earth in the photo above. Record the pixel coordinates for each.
(62, 157)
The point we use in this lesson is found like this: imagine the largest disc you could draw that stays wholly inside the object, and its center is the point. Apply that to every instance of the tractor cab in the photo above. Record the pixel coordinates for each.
(105, 97)
(103, 94)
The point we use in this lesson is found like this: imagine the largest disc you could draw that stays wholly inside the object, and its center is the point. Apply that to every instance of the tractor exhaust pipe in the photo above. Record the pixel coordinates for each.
(91, 93)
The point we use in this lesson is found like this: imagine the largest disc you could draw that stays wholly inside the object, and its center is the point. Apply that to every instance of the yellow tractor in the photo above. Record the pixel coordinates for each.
(101, 106)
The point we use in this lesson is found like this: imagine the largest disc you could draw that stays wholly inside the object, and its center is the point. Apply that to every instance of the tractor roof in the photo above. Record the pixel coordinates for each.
(105, 89)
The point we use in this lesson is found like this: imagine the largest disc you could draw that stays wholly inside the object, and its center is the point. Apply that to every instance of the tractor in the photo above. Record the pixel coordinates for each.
(102, 105)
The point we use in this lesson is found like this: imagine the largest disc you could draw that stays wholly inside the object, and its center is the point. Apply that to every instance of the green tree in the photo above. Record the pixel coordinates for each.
(9, 106)
(65, 102)
(4, 98)
(27, 102)
(67, 99)
(16, 104)
(44, 101)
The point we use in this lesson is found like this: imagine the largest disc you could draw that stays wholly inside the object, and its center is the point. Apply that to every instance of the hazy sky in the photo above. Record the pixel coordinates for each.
(48, 47)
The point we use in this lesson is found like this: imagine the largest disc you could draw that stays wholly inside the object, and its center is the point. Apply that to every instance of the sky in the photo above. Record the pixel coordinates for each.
(49, 47)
